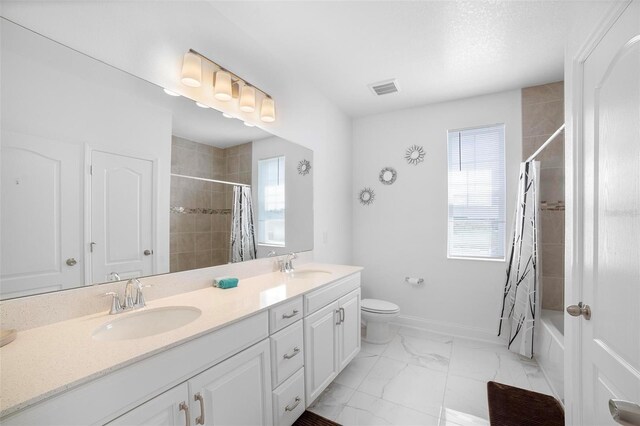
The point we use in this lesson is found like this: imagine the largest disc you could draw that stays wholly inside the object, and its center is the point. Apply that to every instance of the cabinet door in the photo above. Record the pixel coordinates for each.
(166, 409)
(320, 350)
(349, 329)
(236, 391)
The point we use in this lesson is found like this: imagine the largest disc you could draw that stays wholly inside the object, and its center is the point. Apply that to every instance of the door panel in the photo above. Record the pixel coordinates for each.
(163, 410)
(611, 285)
(349, 330)
(320, 350)
(121, 216)
(236, 391)
(40, 218)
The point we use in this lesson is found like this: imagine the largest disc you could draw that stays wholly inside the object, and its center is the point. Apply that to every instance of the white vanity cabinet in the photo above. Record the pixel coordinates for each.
(331, 333)
(235, 392)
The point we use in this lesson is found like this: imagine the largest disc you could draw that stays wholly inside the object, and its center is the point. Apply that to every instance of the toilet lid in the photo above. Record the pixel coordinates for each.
(380, 306)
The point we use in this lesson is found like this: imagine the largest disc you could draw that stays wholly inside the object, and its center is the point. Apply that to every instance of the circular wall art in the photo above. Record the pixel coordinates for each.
(388, 175)
(304, 167)
(414, 154)
(366, 196)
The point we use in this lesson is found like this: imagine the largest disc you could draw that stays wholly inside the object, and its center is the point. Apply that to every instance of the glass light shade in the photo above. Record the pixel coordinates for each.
(248, 99)
(268, 110)
(192, 70)
(222, 86)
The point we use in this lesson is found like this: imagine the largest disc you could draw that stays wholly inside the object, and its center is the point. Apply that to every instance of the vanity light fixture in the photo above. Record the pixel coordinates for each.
(228, 86)
(202, 105)
(192, 69)
(247, 98)
(170, 93)
(268, 110)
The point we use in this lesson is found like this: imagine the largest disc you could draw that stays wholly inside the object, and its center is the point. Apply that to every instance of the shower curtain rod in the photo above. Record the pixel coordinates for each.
(544, 145)
(224, 182)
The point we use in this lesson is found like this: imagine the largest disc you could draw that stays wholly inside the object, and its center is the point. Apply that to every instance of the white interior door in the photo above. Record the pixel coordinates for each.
(41, 244)
(121, 216)
(611, 246)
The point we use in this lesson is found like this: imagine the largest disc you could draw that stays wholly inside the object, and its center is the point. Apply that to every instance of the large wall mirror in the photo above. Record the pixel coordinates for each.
(106, 177)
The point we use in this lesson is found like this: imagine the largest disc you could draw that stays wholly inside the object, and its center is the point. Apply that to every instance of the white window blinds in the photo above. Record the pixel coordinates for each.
(476, 193)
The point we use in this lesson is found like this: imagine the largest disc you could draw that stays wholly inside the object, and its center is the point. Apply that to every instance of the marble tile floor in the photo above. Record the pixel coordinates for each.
(424, 378)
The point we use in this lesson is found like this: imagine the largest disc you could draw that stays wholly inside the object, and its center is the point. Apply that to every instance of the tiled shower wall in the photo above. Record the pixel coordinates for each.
(199, 235)
(542, 114)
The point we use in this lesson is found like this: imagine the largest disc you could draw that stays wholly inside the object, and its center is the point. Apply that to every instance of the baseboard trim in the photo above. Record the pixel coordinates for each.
(449, 329)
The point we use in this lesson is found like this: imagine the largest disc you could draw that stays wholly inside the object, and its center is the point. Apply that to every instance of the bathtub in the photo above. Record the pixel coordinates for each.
(549, 349)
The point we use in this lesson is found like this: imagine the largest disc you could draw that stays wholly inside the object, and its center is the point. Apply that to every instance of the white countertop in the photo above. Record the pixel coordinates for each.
(47, 360)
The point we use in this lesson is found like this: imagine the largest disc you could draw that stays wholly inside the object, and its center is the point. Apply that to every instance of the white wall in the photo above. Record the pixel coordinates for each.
(148, 39)
(49, 92)
(298, 193)
(404, 232)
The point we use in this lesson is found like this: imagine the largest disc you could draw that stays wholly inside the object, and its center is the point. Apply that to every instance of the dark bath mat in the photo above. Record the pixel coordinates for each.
(511, 406)
(312, 419)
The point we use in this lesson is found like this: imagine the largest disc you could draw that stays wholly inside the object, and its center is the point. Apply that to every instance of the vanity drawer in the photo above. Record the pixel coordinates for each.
(285, 314)
(287, 353)
(322, 297)
(288, 400)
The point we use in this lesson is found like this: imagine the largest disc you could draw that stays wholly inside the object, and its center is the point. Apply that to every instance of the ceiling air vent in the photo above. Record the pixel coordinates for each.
(385, 87)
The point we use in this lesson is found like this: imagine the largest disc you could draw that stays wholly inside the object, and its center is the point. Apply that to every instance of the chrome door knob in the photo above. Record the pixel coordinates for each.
(625, 412)
(148, 252)
(579, 309)
(71, 261)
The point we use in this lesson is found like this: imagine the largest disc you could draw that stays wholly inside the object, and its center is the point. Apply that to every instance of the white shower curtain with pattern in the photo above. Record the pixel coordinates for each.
(243, 237)
(521, 296)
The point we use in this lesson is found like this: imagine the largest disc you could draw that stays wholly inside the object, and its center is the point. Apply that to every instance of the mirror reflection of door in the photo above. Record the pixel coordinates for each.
(122, 215)
(40, 218)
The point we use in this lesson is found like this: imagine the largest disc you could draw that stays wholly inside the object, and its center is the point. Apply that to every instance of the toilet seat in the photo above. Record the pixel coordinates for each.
(376, 306)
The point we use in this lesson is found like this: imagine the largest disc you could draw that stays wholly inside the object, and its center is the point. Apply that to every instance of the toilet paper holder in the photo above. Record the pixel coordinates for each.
(414, 281)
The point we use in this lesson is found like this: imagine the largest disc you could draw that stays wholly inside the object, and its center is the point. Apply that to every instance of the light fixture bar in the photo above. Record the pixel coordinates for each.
(235, 78)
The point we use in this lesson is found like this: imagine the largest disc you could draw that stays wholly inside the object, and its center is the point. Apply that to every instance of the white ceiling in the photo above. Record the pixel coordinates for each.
(438, 50)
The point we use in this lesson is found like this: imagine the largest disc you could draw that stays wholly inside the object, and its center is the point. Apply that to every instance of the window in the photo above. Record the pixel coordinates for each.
(271, 202)
(476, 193)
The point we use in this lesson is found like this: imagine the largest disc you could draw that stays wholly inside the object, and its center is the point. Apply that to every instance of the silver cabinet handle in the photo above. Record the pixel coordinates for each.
(291, 315)
(71, 261)
(339, 318)
(200, 419)
(341, 315)
(579, 309)
(184, 407)
(293, 407)
(295, 352)
(625, 412)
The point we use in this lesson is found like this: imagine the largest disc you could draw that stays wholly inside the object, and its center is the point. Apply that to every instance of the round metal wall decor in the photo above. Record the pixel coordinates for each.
(388, 175)
(414, 155)
(304, 167)
(366, 196)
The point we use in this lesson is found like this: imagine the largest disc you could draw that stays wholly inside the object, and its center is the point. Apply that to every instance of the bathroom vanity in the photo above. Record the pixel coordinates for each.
(257, 354)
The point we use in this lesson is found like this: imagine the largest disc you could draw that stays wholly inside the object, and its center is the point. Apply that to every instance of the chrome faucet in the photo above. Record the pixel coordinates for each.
(287, 265)
(129, 301)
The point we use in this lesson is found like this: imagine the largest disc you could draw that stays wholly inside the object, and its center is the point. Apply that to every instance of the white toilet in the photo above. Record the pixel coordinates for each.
(377, 314)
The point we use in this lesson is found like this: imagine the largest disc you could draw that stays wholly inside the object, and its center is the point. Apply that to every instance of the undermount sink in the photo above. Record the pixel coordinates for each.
(308, 273)
(146, 323)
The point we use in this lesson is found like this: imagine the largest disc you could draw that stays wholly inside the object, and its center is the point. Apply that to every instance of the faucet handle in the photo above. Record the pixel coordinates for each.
(116, 307)
(140, 302)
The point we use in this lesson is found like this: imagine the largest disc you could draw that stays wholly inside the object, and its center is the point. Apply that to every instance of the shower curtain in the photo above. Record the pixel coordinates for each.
(243, 238)
(521, 297)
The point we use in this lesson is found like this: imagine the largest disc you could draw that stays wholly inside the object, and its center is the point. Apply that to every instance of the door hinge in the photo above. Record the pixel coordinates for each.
(91, 170)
